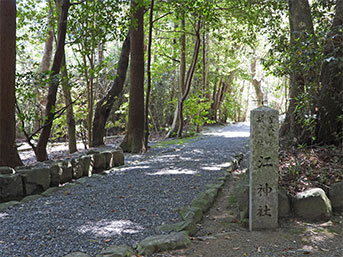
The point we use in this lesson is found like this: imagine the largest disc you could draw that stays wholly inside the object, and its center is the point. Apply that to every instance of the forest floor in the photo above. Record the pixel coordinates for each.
(221, 233)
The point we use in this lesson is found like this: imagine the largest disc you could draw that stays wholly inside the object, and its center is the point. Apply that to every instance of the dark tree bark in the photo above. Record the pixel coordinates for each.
(8, 150)
(148, 89)
(301, 28)
(104, 106)
(133, 141)
(40, 151)
(330, 101)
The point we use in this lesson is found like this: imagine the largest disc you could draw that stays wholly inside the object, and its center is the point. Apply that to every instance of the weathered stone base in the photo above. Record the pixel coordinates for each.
(24, 181)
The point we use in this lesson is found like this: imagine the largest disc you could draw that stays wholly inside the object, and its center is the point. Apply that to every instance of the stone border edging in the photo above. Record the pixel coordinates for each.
(28, 183)
(176, 235)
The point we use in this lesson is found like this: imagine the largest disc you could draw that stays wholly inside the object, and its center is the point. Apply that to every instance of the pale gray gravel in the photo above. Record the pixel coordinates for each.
(125, 206)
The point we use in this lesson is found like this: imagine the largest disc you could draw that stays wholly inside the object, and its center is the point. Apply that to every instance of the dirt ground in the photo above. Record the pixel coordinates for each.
(221, 234)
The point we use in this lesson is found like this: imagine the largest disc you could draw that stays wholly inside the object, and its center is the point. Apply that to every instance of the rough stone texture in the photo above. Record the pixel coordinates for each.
(50, 190)
(189, 226)
(109, 159)
(35, 180)
(77, 170)
(99, 162)
(205, 199)
(31, 198)
(153, 244)
(336, 196)
(117, 158)
(284, 203)
(191, 213)
(8, 204)
(313, 205)
(56, 172)
(11, 187)
(86, 163)
(241, 195)
(77, 254)
(264, 144)
(116, 251)
(6, 170)
(67, 171)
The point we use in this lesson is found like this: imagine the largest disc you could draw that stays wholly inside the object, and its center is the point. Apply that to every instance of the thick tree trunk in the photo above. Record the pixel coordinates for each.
(104, 106)
(8, 150)
(301, 28)
(330, 102)
(148, 89)
(133, 141)
(40, 151)
(69, 112)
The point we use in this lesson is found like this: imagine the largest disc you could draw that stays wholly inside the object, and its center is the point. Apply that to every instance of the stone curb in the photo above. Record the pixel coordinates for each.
(26, 183)
(177, 235)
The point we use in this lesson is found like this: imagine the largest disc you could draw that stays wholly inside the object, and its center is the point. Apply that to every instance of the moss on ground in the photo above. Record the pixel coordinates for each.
(178, 141)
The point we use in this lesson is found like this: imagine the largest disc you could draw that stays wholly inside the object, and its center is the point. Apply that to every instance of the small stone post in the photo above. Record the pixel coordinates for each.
(263, 172)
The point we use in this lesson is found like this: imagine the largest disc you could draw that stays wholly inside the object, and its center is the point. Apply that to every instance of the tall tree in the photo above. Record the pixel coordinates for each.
(133, 141)
(189, 77)
(40, 150)
(182, 74)
(104, 106)
(330, 100)
(302, 33)
(8, 150)
(148, 89)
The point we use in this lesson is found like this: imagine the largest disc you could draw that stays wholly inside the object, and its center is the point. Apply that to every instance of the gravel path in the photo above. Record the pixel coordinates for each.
(125, 206)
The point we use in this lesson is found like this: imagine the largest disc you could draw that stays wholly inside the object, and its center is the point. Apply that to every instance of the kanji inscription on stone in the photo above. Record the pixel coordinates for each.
(263, 171)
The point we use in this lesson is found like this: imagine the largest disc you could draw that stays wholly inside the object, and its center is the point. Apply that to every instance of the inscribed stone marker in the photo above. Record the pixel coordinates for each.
(263, 172)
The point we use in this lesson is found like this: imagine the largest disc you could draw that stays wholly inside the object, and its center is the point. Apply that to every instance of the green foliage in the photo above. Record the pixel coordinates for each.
(196, 110)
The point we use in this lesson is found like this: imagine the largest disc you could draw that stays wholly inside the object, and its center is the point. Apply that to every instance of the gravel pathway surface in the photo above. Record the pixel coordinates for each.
(125, 206)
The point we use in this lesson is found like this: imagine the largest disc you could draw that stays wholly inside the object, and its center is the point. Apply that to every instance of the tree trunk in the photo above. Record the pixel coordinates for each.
(148, 89)
(301, 28)
(40, 151)
(330, 102)
(189, 78)
(182, 75)
(133, 141)
(256, 83)
(8, 149)
(69, 112)
(47, 55)
(104, 106)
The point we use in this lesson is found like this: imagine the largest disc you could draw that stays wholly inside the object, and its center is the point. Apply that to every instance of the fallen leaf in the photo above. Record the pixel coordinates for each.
(235, 248)
(129, 185)
(259, 249)
(113, 210)
(121, 197)
(107, 240)
(67, 193)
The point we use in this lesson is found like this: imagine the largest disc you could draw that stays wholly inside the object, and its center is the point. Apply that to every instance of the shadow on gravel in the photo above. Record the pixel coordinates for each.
(125, 206)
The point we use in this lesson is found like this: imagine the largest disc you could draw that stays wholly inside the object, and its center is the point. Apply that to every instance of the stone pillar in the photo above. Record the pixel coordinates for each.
(263, 172)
